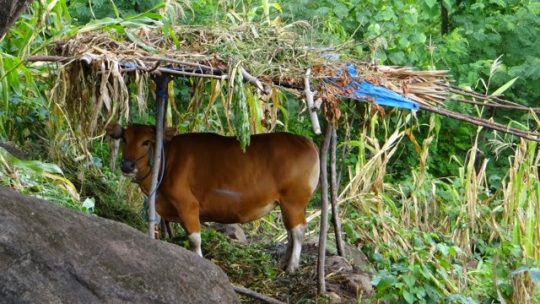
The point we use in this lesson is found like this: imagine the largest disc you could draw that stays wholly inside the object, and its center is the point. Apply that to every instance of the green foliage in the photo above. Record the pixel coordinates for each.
(507, 28)
(240, 114)
(83, 11)
(115, 198)
(40, 179)
(421, 280)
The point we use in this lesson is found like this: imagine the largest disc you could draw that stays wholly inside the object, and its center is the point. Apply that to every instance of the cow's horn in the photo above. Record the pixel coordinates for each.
(114, 130)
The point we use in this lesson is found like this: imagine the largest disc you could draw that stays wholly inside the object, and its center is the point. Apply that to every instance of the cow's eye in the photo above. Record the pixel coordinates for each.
(146, 143)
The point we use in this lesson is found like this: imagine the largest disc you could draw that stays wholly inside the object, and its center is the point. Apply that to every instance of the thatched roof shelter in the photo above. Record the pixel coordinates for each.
(266, 57)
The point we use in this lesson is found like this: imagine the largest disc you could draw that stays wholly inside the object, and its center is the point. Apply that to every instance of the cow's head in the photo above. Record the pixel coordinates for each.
(137, 147)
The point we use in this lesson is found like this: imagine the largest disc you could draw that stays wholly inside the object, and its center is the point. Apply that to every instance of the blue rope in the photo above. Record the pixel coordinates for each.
(162, 94)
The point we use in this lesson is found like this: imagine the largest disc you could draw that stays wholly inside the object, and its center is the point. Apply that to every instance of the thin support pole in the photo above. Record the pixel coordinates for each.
(162, 82)
(334, 193)
(324, 211)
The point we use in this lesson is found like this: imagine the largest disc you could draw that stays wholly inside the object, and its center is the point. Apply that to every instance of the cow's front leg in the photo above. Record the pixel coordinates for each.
(188, 212)
(195, 240)
(192, 225)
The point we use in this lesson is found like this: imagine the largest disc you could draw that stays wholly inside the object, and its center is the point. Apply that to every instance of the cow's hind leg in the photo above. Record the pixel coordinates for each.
(295, 247)
(295, 223)
(165, 228)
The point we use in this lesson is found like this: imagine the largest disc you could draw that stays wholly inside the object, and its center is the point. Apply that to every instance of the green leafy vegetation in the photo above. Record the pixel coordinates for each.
(446, 212)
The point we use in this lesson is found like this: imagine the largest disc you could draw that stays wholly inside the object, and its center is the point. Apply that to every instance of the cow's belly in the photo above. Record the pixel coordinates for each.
(226, 206)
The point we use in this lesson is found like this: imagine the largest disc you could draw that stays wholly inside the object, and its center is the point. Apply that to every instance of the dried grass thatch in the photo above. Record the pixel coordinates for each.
(92, 76)
(274, 56)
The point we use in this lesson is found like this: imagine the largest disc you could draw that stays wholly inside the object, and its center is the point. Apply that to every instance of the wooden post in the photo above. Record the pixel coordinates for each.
(334, 186)
(162, 82)
(324, 211)
(114, 153)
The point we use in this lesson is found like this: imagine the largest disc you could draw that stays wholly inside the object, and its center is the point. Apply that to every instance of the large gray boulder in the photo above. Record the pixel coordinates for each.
(49, 254)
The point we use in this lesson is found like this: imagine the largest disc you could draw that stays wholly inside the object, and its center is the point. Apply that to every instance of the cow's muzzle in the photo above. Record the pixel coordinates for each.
(128, 167)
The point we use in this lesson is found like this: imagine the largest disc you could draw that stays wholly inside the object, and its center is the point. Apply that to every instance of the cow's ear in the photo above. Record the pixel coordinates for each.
(169, 133)
(114, 130)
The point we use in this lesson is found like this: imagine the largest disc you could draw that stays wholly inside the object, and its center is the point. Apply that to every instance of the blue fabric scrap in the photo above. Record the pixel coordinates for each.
(382, 96)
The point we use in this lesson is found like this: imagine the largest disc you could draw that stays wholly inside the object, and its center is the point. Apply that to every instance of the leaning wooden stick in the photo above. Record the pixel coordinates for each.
(311, 104)
(255, 295)
(334, 193)
(321, 280)
(48, 58)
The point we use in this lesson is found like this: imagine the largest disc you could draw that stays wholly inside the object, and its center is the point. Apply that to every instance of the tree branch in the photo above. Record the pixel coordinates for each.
(11, 10)
(247, 76)
(484, 123)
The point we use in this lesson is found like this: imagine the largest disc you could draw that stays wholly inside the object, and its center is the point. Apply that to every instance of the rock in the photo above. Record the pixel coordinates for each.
(359, 284)
(232, 231)
(357, 257)
(333, 298)
(50, 254)
(335, 263)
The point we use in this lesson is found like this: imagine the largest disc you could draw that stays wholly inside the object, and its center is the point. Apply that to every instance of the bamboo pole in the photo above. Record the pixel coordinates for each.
(321, 286)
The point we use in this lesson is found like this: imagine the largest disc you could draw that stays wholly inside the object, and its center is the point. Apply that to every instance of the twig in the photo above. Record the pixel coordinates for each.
(247, 76)
(186, 63)
(255, 295)
(496, 105)
(480, 96)
(321, 286)
(311, 104)
(175, 72)
(345, 148)
(155, 67)
(484, 123)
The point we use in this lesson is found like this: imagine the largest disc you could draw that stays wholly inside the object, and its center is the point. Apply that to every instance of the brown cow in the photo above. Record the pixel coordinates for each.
(209, 178)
